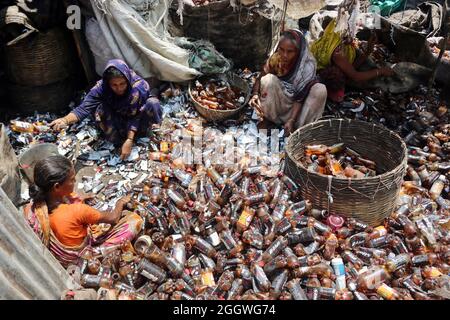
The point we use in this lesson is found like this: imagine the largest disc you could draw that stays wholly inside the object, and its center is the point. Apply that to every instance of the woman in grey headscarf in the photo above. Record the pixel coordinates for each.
(287, 91)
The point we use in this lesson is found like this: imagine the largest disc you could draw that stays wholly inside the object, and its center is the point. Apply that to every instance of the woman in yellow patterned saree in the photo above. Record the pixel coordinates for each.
(337, 61)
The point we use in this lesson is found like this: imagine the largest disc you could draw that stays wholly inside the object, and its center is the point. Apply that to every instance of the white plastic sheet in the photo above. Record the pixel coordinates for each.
(99, 46)
(143, 41)
(297, 9)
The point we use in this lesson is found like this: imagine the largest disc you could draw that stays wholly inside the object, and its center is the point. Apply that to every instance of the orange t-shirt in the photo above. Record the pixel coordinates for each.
(69, 222)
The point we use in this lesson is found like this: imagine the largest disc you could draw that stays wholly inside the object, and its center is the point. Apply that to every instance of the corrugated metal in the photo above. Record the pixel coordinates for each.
(27, 269)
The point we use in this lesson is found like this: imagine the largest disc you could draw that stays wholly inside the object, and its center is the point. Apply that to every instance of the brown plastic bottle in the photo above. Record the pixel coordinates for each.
(257, 199)
(344, 294)
(278, 262)
(275, 248)
(408, 226)
(245, 219)
(330, 247)
(349, 256)
(93, 266)
(253, 238)
(276, 193)
(416, 245)
(303, 235)
(313, 281)
(316, 149)
(437, 187)
(378, 232)
(316, 213)
(380, 242)
(215, 177)
(225, 194)
(387, 292)
(319, 226)
(260, 277)
(202, 245)
(177, 199)
(225, 281)
(309, 260)
(372, 278)
(236, 289)
(278, 283)
(280, 207)
(424, 259)
(151, 271)
(399, 261)
(291, 258)
(398, 246)
(296, 290)
(343, 233)
(320, 269)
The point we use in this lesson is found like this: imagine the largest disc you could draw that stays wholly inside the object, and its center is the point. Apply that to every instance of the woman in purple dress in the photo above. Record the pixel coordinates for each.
(123, 105)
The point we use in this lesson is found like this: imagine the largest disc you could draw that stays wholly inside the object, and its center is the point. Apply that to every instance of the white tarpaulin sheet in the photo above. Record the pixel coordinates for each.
(136, 32)
(297, 9)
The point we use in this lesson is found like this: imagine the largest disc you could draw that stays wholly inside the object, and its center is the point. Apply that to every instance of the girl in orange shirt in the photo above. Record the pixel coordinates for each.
(62, 220)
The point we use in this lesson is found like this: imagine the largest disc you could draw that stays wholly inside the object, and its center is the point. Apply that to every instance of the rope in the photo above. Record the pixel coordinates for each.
(330, 196)
(284, 14)
(339, 130)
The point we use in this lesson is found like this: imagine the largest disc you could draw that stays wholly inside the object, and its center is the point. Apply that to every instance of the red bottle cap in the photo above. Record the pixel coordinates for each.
(335, 222)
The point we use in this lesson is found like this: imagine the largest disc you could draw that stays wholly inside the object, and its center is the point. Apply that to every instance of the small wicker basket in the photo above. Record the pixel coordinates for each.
(221, 115)
(370, 199)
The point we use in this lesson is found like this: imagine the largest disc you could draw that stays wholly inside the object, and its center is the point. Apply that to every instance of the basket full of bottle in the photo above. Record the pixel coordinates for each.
(219, 97)
(348, 167)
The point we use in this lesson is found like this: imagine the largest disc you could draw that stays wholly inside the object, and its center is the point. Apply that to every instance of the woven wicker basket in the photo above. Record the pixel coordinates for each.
(41, 59)
(54, 97)
(221, 115)
(370, 199)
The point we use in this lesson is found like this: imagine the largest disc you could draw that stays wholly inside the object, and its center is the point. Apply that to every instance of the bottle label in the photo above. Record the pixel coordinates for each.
(208, 279)
(435, 273)
(149, 276)
(382, 230)
(214, 239)
(245, 218)
(339, 268)
(420, 260)
(385, 291)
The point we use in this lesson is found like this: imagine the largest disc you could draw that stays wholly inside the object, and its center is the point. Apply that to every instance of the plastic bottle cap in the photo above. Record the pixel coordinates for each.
(352, 286)
(335, 222)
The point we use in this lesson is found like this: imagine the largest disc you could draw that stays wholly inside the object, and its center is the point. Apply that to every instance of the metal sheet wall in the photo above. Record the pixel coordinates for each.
(27, 268)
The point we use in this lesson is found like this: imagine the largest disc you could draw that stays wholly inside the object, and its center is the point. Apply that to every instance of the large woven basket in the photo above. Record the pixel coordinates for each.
(221, 115)
(370, 199)
(40, 59)
(54, 97)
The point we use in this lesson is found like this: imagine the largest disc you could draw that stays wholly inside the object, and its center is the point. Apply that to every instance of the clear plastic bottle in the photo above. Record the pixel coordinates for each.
(275, 248)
